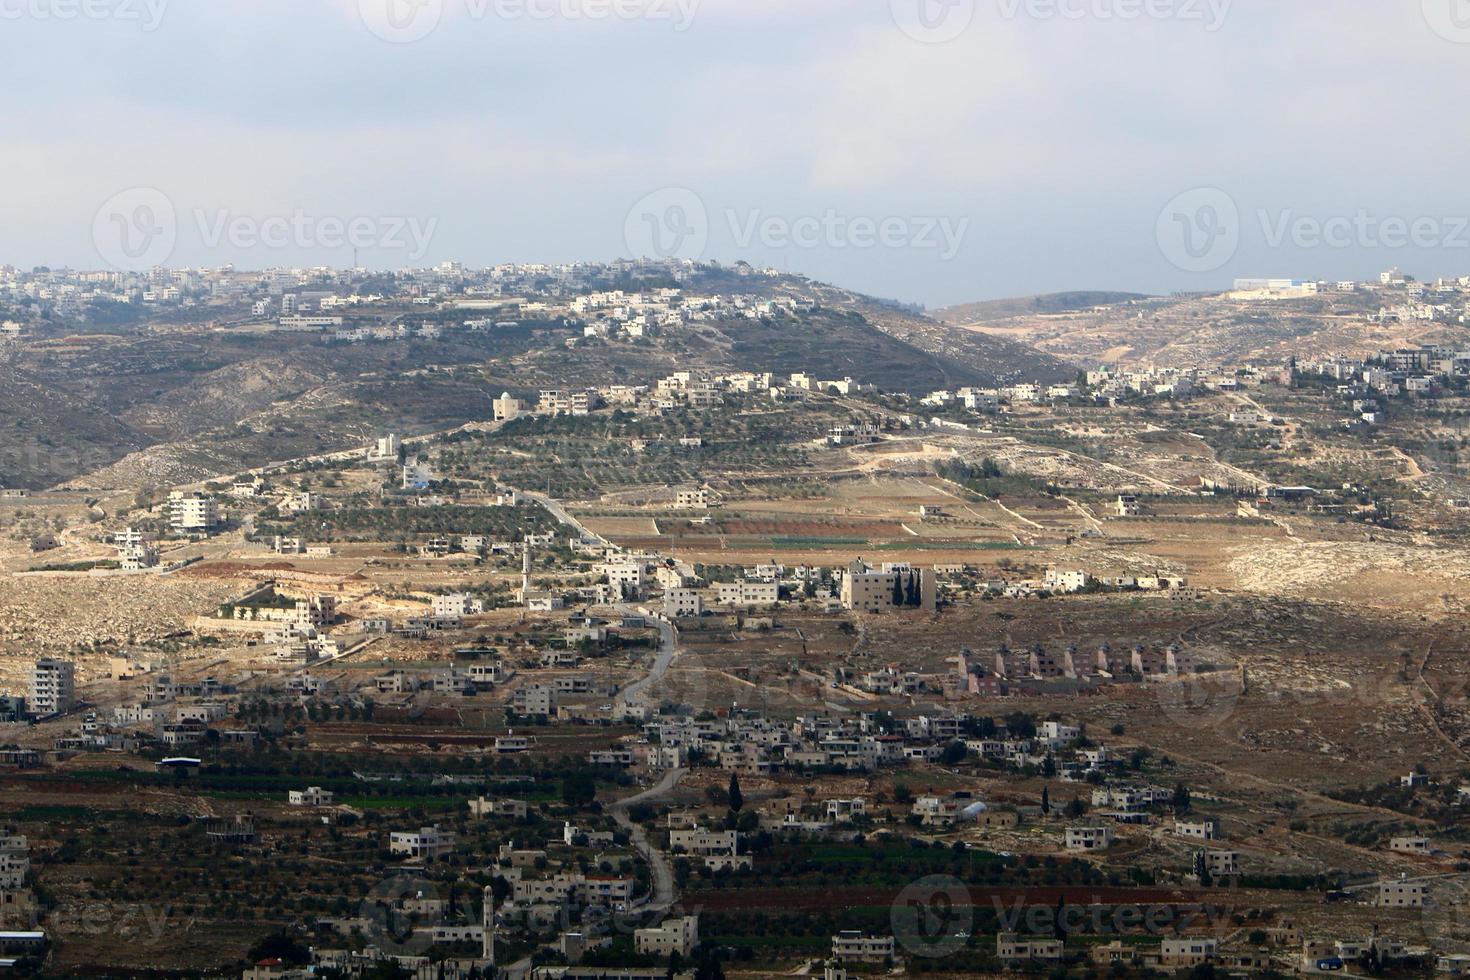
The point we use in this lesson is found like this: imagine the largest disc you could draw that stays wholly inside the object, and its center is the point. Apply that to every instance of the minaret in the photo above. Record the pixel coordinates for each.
(487, 952)
(525, 570)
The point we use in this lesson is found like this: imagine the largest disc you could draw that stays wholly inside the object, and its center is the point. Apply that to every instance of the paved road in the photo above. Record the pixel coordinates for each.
(559, 512)
(668, 651)
(664, 894)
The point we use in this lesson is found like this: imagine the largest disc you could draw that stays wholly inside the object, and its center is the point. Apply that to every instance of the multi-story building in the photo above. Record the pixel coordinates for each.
(873, 590)
(682, 602)
(1401, 894)
(748, 593)
(15, 862)
(426, 843)
(1011, 949)
(53, 686)
(191, 512)
(692, 498)
(534, 699)
(1089, 838)
(456, 606)
(1203, 828)
(1217, 864)
(855, 947)
(678, 935)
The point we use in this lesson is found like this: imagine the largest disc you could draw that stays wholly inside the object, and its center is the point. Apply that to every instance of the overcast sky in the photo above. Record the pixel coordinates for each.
(967, 150)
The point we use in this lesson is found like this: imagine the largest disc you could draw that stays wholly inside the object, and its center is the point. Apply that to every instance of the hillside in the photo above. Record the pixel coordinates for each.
(1001, 309)
(175, 403)
(1185, 331)
(47, 434)
(993, 359)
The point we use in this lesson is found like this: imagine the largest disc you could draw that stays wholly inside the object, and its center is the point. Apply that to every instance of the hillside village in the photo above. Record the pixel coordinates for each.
(585, 685)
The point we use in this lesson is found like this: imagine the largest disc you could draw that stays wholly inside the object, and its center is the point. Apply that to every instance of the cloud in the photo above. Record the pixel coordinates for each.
(1057, 137)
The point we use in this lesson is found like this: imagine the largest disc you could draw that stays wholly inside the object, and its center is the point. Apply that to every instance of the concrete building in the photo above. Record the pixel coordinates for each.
(682, 602)
(1089, 838)
(311, 796)
(53, 686)
(855, 947)
(1401, 894)
(534, 699)
(507, 407)
(679, 935)
(1186, 952)
(385, 449)
(191, 512)
(695, 498)
(425, 844)
(456, 606)
(866, 589)
(1011, 949)
(747, 593)
(1203, 828)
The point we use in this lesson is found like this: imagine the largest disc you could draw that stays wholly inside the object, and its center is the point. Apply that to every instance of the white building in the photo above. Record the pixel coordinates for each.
(385, 448)
(426, 843)
(1205, 828)
(191, 511)
(507, 407)
(456, 606)
(748, 593)
(1065, 580)
(1089, 838)
(679, 935)
(311, 796)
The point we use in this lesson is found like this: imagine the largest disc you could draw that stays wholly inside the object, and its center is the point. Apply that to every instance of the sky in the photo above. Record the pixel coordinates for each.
(934, 151)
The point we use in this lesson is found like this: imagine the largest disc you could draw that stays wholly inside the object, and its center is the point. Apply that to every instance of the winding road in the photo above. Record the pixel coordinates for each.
(659, 864)
(668, 650)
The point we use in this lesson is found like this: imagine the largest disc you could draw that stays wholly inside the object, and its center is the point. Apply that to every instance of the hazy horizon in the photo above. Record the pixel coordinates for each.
(959, 152)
